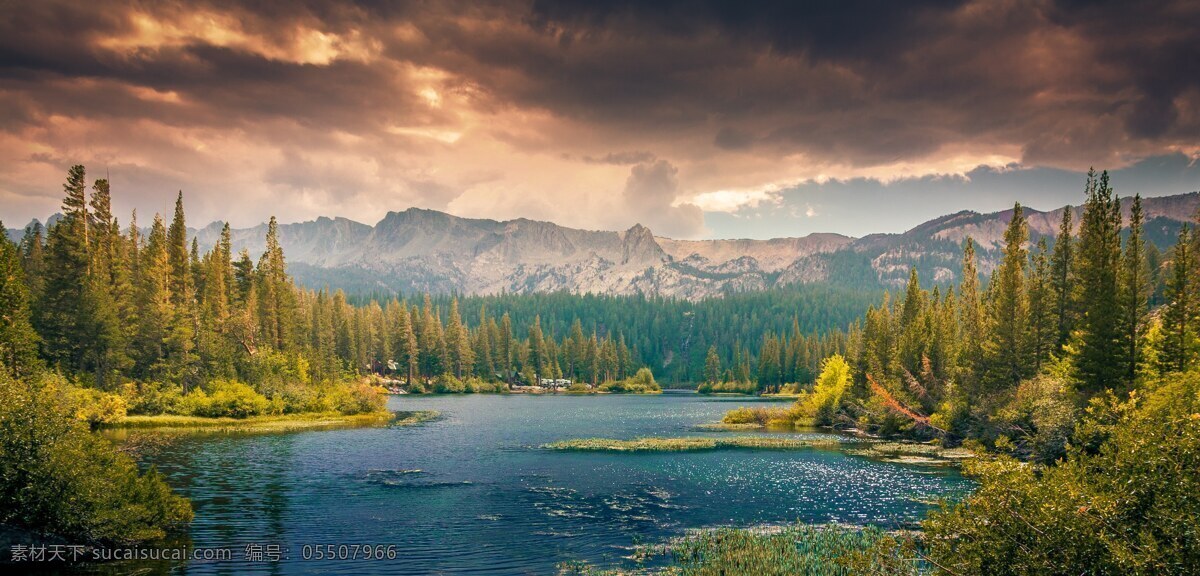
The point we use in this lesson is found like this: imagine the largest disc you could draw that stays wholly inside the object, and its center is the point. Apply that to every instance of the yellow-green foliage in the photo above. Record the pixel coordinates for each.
(759, 415)
(230, 398)
(225, 398)
(1039, 419)
(731, 387)
(448, 384)
(1123, 502)
(96, 407)
(640, 383)
(688, 444)
(151, 398)
(57, 477)
(822, 403)
(359, 398)
(579, 388)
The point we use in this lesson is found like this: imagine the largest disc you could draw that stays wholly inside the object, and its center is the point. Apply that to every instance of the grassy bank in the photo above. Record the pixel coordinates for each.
(688, 444)
(261, 424)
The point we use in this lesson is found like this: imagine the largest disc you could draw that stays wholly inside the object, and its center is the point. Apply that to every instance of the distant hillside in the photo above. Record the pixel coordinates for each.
(425, 250)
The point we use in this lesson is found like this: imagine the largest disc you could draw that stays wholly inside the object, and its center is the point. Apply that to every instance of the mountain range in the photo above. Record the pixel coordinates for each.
(420, 250)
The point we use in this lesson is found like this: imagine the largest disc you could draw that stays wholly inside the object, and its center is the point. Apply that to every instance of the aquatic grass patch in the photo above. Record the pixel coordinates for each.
(826, 550)
(759, 415)
(413, 417)
(726, 427)
(687, 444)
(912, 453)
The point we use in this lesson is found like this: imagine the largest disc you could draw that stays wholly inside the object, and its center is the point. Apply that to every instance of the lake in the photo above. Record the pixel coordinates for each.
(472, 492)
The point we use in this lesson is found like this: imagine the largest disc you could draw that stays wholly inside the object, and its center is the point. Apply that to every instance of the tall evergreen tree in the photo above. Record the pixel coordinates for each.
(155, 310)
(1062, 279)
(177, 256)
(1179, 339)
(18, 341)
(1042, 328)
(712, 366)
(971, 314)
(1007, 350)
(65, 311)
(1135, 289)
(1100, 361)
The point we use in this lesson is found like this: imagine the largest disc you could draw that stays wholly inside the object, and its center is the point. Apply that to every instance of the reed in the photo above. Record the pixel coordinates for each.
(828, 550)
(689, 444)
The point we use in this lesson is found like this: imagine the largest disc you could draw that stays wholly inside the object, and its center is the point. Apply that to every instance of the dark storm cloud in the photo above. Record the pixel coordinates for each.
(878, 81)
(720, 95)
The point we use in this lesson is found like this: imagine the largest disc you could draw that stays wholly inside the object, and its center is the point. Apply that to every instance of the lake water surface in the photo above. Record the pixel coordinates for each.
(472, 492)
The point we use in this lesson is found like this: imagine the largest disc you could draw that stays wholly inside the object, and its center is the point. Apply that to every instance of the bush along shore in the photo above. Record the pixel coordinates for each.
(642, 382)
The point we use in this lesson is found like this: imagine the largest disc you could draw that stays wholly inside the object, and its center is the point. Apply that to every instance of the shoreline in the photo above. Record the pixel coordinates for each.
(172, 423)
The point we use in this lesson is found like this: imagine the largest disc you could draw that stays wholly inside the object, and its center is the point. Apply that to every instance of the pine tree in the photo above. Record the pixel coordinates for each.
(485, 367)
(177, 256)
(914, 330)
(276, 294)
(504, 347)
(1179, 339)
(769, 367)
(181, 334)
(64, 312)
(458, 343)
(1042, 329)
(18, 341)
(1100, 362)
(155, 311)
(971, 314)
(538, 360)
(1007, 349)
(1135, 289)
(1062, 280)
(712, 366)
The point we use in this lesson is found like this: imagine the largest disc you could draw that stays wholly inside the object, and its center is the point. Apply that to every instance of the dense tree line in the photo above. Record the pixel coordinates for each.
(673, 336)
(107, 306)
(1014, 360)
(110, 305)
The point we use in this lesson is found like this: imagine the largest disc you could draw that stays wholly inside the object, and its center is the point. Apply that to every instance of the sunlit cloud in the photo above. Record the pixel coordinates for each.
(591, 115)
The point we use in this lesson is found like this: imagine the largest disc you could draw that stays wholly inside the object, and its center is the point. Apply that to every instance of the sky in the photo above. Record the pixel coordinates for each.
(697, 118)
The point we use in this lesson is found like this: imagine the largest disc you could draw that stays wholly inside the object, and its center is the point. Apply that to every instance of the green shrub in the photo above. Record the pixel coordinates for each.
(269, 370)
(731, 387)
(151, 398)
(95, 407)
(56, 477)
(1125, 500)
(640, 383)
(448, 384)
(821, 406)
(1038, 420)
(226, 399)
(359, 398)
(758, 415)
(298, 398)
